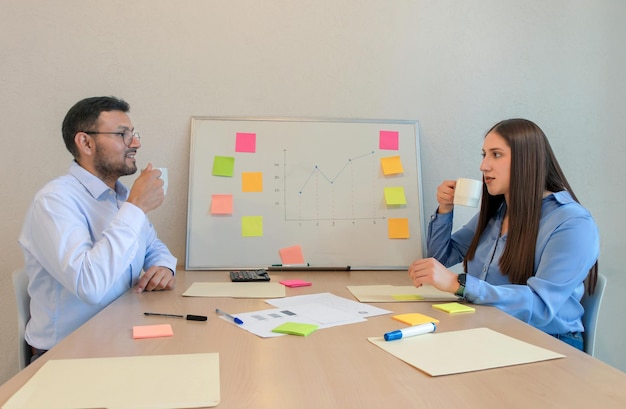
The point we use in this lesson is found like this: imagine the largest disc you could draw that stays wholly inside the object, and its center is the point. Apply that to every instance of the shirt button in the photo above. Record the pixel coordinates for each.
(484, 269)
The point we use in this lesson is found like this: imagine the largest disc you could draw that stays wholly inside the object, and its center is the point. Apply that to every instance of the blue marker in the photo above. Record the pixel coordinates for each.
(230, 317)
(411, 331)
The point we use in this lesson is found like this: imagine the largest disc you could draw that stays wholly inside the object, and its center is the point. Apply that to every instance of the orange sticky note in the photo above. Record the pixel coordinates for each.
(415, 318)
(391, 165)
(251, 181)
(291, 255)
(152, 331)
(398, 228)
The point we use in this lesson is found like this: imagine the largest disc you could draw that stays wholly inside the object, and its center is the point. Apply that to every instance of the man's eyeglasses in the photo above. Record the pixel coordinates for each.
(127, 135)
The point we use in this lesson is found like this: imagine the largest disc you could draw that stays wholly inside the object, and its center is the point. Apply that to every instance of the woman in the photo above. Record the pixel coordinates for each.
(531, 246)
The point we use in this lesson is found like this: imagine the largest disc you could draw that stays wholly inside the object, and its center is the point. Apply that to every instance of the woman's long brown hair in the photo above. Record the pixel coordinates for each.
(534, 169)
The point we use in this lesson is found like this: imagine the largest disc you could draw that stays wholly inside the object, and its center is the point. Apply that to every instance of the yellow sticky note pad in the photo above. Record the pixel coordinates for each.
(394, 196)
(295, 328)
(454, 307)
(407, 297)
(252, 226)
(391, 165)
(415, 318)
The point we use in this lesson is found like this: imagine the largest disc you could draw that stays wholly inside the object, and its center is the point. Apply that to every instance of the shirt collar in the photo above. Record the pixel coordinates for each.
(94, 185)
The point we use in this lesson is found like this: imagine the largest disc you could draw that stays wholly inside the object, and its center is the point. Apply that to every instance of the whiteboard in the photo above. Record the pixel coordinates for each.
(260, 185)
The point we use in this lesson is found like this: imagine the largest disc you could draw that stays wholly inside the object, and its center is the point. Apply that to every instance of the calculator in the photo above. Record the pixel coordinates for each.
(249, 275)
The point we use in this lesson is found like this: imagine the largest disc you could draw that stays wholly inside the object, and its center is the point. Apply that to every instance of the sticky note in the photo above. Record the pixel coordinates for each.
(295, 328)
(394, 196)
(223, 166)
(252, 181)
(152, 331)
(454, 307)
(291, 255)
(388, 140)
(245, 142)
(252, 226)
(407, 297)
(398, 228)
(391, 165)
(415, 318)
(295, 283)
(221, 204)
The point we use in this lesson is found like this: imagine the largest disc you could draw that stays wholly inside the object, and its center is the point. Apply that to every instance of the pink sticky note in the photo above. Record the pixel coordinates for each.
(222, 204)
(152, 331)
(291, 255)
(245, 142)
(388, 140)
(295, 283)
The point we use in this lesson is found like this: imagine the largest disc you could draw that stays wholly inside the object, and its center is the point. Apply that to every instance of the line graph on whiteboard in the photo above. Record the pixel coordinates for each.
(335, 187)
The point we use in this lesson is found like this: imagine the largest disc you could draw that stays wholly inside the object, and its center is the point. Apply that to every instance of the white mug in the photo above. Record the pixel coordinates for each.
(164, 178)
(467, 192)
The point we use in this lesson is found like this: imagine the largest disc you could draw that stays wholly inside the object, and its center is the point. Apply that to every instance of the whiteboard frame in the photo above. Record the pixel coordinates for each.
(420, 206)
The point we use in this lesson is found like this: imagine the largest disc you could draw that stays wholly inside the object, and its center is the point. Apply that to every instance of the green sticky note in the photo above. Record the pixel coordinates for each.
(407, 297)
(454, 307)
(223, 166)
(295, 328)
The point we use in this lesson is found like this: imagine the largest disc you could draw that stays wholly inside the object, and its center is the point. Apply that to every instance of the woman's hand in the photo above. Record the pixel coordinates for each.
(432, 272)
(445, 196)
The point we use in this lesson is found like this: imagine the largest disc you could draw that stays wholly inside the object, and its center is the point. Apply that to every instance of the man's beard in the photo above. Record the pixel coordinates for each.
(107, 169)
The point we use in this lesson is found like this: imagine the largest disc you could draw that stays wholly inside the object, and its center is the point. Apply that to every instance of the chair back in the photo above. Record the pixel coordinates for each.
(591, 304)
(20, 286)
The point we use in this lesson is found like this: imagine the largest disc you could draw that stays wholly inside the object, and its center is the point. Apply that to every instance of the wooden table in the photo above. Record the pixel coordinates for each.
(337, 367)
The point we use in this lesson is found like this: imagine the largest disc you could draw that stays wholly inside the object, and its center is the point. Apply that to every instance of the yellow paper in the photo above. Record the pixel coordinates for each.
(415, 318)
(191, 380)
(454, 308)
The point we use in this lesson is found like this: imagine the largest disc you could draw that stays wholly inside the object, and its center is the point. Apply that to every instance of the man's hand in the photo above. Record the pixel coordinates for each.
(156, 279)
(147, 191)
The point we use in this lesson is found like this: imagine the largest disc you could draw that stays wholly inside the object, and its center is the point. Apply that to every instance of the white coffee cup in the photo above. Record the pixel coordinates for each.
(467, 192)
(164, 178)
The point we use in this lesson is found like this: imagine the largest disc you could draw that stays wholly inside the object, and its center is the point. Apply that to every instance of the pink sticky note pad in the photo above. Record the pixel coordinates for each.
(152, 331)
(295, 283)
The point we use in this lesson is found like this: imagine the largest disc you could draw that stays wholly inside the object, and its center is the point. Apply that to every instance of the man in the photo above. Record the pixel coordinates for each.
(86, 238)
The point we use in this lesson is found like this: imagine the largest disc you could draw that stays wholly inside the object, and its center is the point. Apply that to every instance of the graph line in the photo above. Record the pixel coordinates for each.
(317, 169)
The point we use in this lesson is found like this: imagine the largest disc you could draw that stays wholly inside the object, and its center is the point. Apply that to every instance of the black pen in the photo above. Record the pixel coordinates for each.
(189, 317)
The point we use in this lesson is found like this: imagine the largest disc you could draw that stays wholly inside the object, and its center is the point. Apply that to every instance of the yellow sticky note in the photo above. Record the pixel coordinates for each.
(398, 228)
(394, 196)
(407, 297)
(223, 166)
(415, 318)
(222, 204)
(391, 165)
(152, 331)
(295, 328)
(454, 307)
(251, 181)
(252, 226)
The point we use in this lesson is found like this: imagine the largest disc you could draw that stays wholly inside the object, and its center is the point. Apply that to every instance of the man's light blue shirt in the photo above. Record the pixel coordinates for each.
(84, 246)
(567, 247)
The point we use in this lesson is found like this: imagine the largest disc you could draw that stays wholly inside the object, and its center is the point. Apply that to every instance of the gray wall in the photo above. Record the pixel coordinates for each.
(456, 66)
